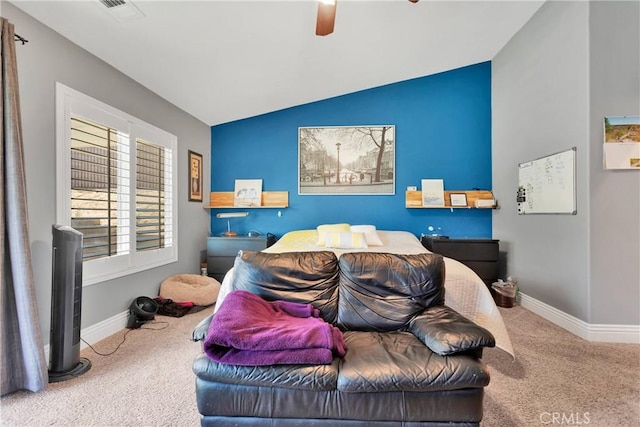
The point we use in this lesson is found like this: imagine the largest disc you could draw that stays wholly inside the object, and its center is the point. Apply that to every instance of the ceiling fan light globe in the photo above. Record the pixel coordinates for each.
(326, 18)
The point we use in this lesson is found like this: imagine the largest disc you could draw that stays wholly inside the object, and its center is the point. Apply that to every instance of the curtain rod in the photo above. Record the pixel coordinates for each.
(20, 39)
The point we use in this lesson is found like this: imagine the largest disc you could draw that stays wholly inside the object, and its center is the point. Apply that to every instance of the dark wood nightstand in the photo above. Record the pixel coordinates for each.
(480, 255)
(222, 251)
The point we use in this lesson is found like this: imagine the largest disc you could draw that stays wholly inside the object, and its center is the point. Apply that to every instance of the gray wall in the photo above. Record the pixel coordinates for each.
(615, 195)
(550, 93)
(47, 58)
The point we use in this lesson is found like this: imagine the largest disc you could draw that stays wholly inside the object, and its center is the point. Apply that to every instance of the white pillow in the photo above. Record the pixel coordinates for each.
(370, 234)
(327, 228)
(345, 240)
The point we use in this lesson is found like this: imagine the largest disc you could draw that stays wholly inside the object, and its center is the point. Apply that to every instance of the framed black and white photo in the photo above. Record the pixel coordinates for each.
(346, 160)
(458, 199)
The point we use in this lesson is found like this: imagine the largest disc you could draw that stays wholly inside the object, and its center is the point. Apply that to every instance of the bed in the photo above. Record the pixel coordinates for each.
(465, 292)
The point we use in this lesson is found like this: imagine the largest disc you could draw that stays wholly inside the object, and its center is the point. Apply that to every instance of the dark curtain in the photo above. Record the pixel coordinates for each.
(22, 352)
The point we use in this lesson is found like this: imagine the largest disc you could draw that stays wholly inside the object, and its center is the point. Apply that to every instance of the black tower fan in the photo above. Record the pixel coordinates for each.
(66, 300)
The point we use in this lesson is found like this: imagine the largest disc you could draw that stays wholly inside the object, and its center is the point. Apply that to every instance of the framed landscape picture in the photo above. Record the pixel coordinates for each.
(621, 149)
(346, 160)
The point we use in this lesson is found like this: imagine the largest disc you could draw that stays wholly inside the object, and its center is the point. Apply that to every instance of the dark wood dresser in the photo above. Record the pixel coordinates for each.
(480, 255)
(222, 251)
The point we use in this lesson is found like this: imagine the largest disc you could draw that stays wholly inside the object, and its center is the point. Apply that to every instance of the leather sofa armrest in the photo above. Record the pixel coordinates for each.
(200, 331)
(445, 331)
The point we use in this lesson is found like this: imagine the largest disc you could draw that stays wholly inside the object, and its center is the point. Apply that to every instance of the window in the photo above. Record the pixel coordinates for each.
(101, 153)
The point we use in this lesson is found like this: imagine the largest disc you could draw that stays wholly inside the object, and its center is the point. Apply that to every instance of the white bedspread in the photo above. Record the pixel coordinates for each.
(465, 292)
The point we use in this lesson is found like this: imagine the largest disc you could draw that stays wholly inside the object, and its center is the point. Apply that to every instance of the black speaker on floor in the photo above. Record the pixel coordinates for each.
(66, 301)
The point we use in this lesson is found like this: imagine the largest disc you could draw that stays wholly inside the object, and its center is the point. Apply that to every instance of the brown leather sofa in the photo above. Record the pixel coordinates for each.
(410, 360)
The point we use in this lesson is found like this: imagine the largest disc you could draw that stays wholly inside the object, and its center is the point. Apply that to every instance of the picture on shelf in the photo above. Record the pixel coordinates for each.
(248, 192)
(433, 192)
(458, 199)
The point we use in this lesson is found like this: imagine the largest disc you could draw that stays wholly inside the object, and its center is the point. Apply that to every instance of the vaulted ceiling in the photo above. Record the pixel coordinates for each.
(227, 60)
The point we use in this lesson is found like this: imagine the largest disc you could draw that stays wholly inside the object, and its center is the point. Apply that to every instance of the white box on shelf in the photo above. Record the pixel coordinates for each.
(485, 203)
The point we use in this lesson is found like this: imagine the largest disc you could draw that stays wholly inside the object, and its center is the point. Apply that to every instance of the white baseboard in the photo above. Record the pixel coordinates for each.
(629, 334)
(101, 330)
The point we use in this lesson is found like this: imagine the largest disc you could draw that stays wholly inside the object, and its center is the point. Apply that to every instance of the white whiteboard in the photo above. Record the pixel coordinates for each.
(548, 185)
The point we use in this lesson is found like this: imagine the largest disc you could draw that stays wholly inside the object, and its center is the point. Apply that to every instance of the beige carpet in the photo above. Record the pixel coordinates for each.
(556, 379)
(560, 379)
(147, 382)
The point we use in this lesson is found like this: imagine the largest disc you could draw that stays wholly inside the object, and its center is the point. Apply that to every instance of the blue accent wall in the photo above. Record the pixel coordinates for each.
(442, 130)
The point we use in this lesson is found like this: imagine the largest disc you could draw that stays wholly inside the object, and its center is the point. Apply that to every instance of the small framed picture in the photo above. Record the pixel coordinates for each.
(195, 177)
(458, 199)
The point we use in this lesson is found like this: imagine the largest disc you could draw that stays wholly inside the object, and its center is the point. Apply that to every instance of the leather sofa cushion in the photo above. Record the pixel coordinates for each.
(299, 377)
(445, 331)
(398, 361)
(303, 277)
(238, 405)
(382, 292)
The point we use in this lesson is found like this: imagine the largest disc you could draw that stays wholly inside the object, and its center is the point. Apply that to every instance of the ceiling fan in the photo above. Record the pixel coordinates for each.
(327, 16)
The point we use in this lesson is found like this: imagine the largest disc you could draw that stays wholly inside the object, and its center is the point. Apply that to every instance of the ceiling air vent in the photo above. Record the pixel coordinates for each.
(121, 10)
(112, 3)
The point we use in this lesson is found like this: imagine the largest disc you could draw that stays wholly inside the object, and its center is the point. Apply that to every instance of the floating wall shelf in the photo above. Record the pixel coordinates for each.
(413, 199)
(270, 199)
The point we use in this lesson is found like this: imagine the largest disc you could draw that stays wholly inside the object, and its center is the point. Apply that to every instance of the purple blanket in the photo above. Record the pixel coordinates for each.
(247, 330)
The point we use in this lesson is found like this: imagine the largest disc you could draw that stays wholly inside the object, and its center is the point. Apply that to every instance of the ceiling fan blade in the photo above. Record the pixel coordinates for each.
(326, 17)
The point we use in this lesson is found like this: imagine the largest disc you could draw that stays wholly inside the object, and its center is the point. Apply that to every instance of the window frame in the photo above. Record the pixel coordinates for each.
(71, 102)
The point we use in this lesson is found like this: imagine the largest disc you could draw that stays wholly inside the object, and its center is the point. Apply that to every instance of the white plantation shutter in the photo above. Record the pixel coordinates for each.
(101, 153)
(154, 214)
(99, 188)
